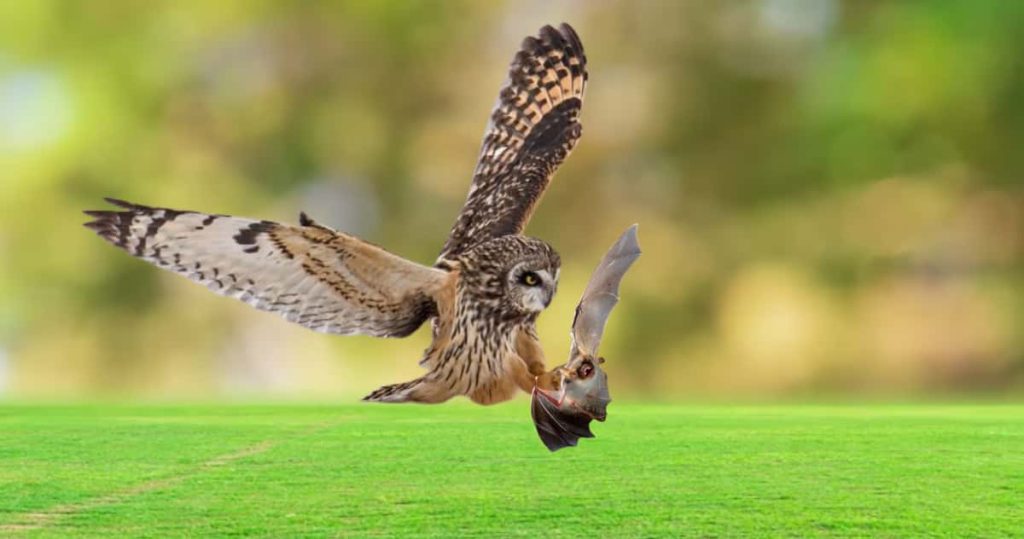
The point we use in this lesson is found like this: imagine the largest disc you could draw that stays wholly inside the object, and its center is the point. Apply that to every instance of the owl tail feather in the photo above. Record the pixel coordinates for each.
(422, 390)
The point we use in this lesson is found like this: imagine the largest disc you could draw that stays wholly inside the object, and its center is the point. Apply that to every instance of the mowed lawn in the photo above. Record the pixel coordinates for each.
(458, 470)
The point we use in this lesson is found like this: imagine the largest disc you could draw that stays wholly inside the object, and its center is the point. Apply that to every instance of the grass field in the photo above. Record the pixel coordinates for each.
(457, 470)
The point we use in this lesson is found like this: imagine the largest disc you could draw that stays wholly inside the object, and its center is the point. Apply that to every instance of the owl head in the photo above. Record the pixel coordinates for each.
(516, 275)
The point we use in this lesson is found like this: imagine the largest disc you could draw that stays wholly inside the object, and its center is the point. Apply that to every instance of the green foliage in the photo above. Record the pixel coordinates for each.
(829, 193)
(706, 471)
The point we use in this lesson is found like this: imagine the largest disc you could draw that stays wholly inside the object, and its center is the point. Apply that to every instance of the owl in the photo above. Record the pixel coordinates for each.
(482, 295)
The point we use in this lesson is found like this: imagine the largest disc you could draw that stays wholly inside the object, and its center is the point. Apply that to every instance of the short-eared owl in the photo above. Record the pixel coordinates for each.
(482, 295)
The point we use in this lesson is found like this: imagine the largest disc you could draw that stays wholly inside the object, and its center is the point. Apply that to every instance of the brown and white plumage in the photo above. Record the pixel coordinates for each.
(483, 295)
(485, 345)
(534, 126)
(325, 280)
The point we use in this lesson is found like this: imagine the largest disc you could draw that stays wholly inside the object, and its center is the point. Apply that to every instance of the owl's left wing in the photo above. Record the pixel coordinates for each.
(532, 129)
(324, 280)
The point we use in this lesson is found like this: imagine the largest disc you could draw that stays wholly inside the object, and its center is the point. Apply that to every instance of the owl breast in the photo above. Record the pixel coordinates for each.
(478, 358)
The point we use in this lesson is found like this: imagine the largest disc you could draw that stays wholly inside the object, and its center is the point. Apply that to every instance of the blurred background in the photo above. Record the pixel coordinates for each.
(829, 193)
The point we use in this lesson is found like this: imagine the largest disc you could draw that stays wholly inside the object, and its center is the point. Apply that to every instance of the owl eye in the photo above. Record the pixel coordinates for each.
(530, 279)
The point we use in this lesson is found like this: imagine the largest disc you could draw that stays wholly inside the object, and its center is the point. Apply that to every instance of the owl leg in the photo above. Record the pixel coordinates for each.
(529, 350)
(549, 381)
(421, 390)
(535, 373)
(496, 391)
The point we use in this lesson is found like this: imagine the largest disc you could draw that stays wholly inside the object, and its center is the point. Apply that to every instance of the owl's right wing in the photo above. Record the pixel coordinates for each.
(532, 130)
(324, 280)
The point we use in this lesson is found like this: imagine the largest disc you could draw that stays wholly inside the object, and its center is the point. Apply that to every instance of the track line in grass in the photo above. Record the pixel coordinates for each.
(34, 520)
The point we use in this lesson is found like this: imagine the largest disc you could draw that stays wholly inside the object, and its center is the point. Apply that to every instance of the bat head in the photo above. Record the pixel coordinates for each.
(563, 414)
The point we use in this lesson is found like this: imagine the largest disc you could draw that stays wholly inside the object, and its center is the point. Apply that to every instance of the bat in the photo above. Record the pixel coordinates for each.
(578, 390)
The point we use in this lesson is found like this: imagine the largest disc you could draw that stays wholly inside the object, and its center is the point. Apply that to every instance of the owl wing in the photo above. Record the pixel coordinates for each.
(532, 129)
(324, 280)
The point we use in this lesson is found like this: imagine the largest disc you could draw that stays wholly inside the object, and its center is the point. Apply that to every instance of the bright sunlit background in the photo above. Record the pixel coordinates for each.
(829, 194)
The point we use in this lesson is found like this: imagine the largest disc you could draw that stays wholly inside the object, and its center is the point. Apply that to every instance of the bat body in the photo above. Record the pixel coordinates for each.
(568, 398)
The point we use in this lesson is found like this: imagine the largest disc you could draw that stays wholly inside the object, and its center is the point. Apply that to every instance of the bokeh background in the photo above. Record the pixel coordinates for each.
(829, 194)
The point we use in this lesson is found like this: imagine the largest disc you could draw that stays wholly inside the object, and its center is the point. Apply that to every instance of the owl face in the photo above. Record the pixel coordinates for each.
(515, 275)
(531, 285)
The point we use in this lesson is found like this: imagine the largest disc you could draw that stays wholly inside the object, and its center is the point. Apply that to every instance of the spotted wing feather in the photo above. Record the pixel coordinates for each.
(532, 129)
(311, 275)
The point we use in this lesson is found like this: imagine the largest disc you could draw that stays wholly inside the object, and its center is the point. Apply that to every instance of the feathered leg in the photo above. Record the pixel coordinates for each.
(421, 390)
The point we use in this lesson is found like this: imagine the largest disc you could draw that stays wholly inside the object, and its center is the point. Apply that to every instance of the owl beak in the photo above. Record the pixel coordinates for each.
(549, 295)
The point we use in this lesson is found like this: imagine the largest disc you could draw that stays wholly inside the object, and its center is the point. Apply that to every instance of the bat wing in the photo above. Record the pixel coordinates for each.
(556, 426)
(562, 419)
(602, 293)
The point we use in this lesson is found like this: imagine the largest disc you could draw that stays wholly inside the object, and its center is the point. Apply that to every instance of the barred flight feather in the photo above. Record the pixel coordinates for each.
(533, 128)
(313, 276)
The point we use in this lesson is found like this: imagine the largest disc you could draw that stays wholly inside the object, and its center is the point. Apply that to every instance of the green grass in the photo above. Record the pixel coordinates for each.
(458, 470)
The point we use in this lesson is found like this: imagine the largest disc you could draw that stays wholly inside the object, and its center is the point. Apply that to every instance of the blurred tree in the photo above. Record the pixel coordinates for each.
(829, 192)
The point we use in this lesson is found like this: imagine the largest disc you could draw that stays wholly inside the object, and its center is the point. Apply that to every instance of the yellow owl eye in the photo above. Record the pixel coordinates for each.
(530, 279)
